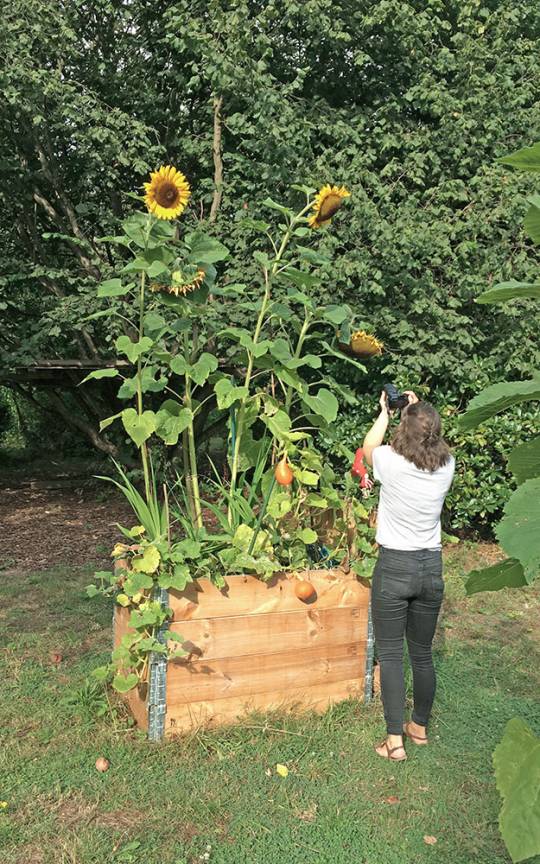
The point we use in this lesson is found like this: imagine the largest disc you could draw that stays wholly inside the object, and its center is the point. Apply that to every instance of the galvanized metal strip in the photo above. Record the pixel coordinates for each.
(157, 684)
(370, 650)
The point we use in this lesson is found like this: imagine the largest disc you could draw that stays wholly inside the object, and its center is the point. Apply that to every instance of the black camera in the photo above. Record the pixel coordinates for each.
(395, 400)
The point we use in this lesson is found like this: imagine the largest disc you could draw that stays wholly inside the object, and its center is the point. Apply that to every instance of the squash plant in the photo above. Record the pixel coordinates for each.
(267, 382)
(517, 757)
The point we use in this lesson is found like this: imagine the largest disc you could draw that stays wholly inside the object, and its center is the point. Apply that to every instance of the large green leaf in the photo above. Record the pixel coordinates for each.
(171, 420)
(133, 350)
(509, 291)
(505, 574)
(300, 278)
(497, 398)
(205, 249)
(524, 460)
(139, 428)
(518, 532)
(148, 561)
(123, 683)
(324, 403)
(227, 393)
(137, 582)
(531, 223)
(205, 365)
(341, 356)
(97, 374)
(527, 159)
(113, 288)
(149, 384)
(177, 579)
(517, 771)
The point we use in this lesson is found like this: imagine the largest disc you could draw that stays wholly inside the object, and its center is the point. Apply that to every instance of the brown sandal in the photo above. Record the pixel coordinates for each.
(416, 739)
(390, 751)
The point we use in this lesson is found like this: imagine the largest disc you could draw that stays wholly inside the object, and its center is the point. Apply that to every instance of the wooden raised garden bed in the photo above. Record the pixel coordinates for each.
(256, 646)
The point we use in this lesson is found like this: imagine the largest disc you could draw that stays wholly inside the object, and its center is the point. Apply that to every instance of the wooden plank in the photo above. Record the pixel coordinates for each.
(276, 632)
(182, 718)
(193, 681)
(247, 595)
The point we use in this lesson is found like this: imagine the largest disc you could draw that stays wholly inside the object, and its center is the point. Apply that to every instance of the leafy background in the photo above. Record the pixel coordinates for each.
(395, 99)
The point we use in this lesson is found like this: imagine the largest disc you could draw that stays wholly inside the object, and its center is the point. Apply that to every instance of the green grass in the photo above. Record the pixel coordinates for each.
(165, 804)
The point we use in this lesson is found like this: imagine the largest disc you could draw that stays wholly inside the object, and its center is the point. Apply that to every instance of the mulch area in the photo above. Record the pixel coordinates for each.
(44, 523)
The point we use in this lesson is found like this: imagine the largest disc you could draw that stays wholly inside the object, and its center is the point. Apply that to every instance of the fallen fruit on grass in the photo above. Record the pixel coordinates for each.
(102, 764)
(56, 657)
(304, 590)
(283, 474)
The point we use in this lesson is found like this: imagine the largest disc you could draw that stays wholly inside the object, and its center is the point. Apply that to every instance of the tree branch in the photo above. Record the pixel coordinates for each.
(218, 162)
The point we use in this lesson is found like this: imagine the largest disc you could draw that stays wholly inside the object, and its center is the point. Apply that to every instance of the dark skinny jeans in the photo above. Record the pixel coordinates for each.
(407, 592)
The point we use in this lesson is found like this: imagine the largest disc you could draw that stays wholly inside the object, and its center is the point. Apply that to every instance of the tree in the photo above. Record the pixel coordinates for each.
(394, 98)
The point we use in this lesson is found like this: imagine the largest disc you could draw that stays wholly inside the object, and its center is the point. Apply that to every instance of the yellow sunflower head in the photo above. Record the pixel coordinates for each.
(167, 193)
(365, 344)
(326, 204)
(182, 284)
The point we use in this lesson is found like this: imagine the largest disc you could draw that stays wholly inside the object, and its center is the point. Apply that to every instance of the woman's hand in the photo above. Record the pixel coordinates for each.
(383, 402)
(412, 397)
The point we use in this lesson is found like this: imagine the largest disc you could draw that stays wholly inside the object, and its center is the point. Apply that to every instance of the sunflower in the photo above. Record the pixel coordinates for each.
(167, 193)
(365, 344)
(326, 204)
(181, 284)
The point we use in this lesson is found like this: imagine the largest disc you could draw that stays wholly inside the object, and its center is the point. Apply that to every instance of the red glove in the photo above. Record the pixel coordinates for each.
(358, 468)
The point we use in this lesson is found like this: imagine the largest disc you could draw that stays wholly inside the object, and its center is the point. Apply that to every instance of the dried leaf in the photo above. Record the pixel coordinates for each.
(392, 799)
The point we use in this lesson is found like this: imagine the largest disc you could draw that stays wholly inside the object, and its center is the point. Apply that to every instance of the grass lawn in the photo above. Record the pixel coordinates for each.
(218, 793)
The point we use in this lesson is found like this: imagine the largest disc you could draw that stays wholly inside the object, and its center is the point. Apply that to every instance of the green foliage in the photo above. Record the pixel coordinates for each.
(518, 531)
(431, 222)
(497, 398)
(517, 769)
(517, 757)
(505, 574)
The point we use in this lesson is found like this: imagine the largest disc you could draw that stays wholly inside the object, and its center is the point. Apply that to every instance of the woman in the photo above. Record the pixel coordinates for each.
(415, 473)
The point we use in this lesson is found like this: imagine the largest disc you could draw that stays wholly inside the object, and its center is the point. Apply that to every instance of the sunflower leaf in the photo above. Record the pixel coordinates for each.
(97, 374)
(114, 288)
(133, 350)
(139, 428)
(273, 205)
(509, 291)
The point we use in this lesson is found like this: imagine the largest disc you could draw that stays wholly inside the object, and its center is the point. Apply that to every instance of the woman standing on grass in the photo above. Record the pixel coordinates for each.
(415, 472)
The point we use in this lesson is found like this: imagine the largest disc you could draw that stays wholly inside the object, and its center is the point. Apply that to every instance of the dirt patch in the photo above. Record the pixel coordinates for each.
(75, 810)
(42, 526)
(31, 854)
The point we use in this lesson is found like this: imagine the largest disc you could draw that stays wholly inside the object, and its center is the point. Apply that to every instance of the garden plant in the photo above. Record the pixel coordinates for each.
(278, 507)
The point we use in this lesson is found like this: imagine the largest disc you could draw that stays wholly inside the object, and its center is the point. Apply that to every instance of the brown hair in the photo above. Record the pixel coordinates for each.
(419, 437)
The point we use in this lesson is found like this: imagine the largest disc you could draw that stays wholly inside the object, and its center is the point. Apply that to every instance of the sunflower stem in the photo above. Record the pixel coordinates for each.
(297, 354)
(144, 449)
(268, 279)
(192, 451)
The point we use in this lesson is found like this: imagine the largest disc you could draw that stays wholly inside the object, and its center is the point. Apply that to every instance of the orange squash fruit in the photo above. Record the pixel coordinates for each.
(304, 590)
(283, 474)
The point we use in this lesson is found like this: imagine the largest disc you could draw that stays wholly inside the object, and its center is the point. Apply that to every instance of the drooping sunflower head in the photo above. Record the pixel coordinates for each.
(365, 344)
(167, 193)
(182, 283)
(326, 204)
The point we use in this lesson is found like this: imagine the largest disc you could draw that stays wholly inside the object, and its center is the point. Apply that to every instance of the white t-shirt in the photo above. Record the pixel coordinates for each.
(411, 500)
